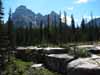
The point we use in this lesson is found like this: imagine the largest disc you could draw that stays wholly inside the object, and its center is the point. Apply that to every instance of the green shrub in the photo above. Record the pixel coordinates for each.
(79, 52)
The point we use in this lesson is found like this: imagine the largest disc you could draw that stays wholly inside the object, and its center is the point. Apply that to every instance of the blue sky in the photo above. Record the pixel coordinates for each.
(79, 8)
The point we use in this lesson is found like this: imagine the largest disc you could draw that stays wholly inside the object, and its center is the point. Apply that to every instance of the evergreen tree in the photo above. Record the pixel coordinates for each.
(41, 31)
(10, 24)
(83, 24)
(11, 31)
(83, 34)
(65, 28)
(1, 16)
(3, 42)
(48, 29)
(72, 29)
(72, 23)
(55, 36)
(91, 30)
(25, 35)
(60, 29)
(65, 17)
(10, 35)
(30, 34)
(11, 47)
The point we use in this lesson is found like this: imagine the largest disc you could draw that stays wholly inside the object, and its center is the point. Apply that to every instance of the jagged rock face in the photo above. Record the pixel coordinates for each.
(24, 17)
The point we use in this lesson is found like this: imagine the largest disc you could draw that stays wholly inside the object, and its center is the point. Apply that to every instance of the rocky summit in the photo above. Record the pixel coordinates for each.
(25, 17)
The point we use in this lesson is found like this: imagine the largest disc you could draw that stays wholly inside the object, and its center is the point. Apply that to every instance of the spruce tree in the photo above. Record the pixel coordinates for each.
(65, 18)
(60, 29)
(72, 29)
(83, 34)
(83, 24)
(65, 28)
(11, 36)
(72, 23)
(2, 42)
(55, 36)
(41, 32)
(48, 29)
(30, 34)
(1, 16)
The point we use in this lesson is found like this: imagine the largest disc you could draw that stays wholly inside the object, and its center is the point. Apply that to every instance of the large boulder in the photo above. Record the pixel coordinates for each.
(58, 62)
(84, 66)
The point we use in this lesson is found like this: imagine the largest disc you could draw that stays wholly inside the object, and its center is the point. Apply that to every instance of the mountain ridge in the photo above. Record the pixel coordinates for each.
(24, 16)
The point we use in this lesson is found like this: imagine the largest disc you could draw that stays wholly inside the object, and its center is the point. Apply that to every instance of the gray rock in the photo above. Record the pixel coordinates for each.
(84, 66)
(58, 62)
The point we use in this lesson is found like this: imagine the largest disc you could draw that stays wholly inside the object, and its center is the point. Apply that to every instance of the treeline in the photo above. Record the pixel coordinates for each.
(58, 33)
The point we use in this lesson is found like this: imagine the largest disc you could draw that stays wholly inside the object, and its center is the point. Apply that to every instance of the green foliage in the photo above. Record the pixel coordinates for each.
(17, 67)
(79, 52)
(22, 65)
(40, 71)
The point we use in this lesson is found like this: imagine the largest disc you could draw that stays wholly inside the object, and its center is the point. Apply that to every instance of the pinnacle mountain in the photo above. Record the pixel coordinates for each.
(24, 17)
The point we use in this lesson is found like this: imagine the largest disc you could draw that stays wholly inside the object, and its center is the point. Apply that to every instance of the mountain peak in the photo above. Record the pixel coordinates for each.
(21, 7)
(24, 16)
(53, 12)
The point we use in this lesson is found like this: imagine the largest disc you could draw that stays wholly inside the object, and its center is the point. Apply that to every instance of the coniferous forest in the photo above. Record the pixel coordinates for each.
(57, 33)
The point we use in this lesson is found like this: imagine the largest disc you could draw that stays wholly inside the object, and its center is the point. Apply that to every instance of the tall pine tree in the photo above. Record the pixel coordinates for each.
(65, 17)
(72, 29)
(60, 29)
(83, 24)
(1, 16)
(72, 23)
(11, 35)
(41, 32)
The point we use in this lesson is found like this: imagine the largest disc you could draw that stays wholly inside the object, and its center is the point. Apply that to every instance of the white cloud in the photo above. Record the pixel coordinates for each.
(68, 19)
(81, 1)
(70, 8)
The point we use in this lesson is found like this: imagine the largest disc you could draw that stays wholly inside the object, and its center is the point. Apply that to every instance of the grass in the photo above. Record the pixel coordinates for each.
(24, 68)
(41, 71)
(22, 65)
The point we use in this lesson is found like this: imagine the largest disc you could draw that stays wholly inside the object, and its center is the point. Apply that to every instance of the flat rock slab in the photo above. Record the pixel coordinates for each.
(46, 50)
(60, 56)
(84, 66)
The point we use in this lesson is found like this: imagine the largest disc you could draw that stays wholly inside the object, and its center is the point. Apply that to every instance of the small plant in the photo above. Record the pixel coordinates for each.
(76, 52)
